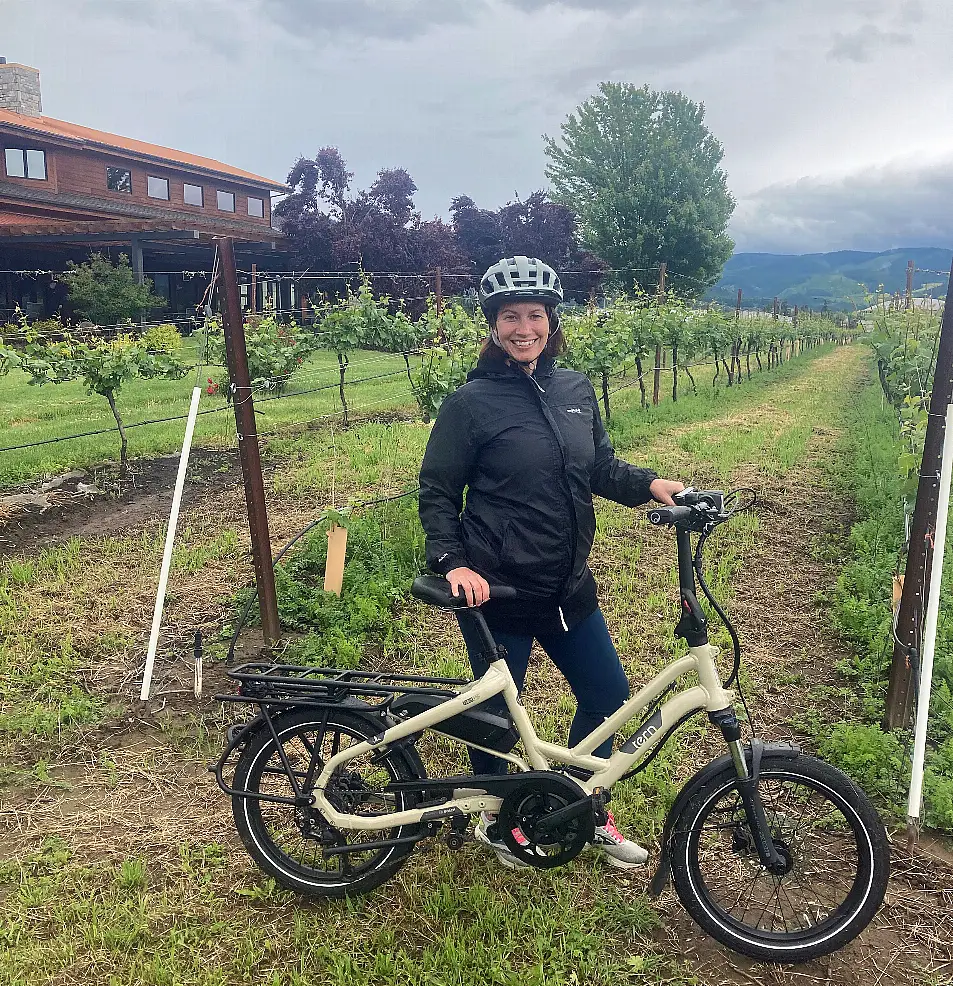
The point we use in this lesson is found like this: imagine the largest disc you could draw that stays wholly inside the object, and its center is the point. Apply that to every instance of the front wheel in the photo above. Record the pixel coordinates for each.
(837, 860)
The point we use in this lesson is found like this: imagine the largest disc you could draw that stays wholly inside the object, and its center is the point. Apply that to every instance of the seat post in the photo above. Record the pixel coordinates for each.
(489, 649)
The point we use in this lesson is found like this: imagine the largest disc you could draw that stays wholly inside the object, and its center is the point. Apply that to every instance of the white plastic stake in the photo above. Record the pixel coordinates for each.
(933, 612)
(169, 540)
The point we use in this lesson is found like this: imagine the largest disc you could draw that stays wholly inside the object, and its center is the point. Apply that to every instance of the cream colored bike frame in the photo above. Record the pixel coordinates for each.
(707, 695)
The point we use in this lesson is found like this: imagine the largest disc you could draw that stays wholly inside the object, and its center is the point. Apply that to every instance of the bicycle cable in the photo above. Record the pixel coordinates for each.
(733, 678)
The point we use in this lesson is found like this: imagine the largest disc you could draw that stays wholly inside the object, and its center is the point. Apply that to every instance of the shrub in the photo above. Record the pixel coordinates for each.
(275, 351)
(162, 339)
(455, 337)
(108, 293)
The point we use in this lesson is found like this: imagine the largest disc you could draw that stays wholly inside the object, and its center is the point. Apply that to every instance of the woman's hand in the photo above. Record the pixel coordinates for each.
(662, 490)
(473, 585)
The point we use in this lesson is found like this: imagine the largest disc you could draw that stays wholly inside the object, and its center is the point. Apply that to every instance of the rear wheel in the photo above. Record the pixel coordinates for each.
(288, 842)
(833, 843)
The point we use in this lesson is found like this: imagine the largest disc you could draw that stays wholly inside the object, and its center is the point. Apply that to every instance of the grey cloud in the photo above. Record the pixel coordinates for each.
(602, 6)
(136, 11)
(369, 19)
(913, 12)
(691, 8)
(632, 56)
(859, 45)
(875, 209)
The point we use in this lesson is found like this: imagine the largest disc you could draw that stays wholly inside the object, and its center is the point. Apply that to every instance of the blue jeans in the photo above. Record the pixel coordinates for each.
(587, 658)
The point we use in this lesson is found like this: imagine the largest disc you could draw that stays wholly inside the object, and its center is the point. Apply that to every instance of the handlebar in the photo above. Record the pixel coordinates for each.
(697, 510)
(667, 516)
(435, 589)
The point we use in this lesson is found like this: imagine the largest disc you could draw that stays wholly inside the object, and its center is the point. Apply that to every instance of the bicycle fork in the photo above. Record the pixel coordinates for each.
(693, 628)
(748, 778)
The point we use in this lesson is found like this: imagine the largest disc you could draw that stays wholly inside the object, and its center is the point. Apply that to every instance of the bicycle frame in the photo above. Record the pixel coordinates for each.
(708, 695)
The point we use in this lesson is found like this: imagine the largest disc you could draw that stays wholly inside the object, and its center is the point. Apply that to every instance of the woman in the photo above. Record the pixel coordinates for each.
(526, 441)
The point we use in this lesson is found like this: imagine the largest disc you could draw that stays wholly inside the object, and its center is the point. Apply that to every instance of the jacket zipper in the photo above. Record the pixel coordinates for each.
(547, 415)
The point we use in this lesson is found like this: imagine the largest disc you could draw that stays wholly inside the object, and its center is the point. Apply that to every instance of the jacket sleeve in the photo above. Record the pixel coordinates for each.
(446, 468)
(612, 477)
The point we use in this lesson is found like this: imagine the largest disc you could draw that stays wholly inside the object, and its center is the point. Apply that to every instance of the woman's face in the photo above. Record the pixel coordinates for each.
(523, 330)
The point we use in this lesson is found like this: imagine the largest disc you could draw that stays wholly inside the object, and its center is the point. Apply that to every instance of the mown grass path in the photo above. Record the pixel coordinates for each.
(120, 861)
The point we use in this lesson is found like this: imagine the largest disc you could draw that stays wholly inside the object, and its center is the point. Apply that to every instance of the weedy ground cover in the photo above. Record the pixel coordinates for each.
(860, 603)
(131, 873)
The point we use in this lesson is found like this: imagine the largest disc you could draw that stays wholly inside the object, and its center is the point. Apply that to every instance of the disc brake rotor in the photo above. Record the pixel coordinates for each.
(527, 805)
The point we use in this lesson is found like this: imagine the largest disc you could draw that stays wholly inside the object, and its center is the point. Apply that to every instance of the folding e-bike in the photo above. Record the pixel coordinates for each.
(774, 853)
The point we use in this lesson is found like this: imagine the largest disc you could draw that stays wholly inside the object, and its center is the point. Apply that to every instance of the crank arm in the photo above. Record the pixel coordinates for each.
(553, 820)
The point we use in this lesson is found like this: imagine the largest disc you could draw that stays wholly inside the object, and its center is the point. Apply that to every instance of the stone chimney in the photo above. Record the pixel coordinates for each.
(20, 89)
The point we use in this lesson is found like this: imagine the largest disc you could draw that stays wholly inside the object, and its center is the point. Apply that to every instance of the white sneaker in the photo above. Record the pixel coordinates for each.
(487, 833)
(620, 852)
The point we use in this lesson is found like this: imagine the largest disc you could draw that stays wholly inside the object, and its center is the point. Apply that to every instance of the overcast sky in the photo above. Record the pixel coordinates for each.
(834, 114)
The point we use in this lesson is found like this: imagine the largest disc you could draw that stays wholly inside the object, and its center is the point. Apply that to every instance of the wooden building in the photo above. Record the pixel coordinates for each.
(67, 190)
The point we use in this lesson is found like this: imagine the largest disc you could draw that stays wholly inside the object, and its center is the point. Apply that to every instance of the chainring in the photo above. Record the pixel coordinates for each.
(527, 804)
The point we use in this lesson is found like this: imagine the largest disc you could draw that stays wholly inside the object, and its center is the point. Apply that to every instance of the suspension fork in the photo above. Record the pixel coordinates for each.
(757, 818)
(693, 627)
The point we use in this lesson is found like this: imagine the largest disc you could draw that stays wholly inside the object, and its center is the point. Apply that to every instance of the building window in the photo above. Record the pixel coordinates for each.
(193, 194)
(158, 188)
(226, 201)
(256, 207)
(118, 180)
(25, 163)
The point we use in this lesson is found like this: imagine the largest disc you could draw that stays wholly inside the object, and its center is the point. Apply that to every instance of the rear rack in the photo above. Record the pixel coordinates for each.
(266, 680)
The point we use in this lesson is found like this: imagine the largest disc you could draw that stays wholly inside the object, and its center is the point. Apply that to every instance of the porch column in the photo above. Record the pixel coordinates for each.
(135, 255)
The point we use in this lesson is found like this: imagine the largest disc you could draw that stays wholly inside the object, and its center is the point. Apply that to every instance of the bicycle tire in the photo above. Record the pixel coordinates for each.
(274, 833)
(831, 836)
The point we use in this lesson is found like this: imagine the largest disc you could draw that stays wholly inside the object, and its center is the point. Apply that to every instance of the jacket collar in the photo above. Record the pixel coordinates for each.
(489, 368)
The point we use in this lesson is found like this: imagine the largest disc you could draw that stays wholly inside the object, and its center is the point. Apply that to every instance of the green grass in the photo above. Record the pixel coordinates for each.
(201, 920)
(32, 414)
(204, 916)
(860, 605)
(71, 620)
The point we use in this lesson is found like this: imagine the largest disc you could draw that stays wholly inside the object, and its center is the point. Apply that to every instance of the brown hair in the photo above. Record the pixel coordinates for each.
(555, 344)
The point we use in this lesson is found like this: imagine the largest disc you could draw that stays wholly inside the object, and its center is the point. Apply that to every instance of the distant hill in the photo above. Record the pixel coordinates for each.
(840, 281)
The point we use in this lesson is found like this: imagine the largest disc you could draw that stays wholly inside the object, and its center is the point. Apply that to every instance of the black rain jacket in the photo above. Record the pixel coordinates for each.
(530, 452)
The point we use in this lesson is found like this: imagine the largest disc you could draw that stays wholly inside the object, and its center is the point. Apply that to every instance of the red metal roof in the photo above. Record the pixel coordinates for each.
(101, 140)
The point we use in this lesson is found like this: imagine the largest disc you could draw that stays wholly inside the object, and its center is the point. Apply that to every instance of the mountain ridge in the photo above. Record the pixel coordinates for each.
(840, 280)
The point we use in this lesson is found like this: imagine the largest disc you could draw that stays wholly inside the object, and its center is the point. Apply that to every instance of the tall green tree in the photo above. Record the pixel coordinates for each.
(642, 172)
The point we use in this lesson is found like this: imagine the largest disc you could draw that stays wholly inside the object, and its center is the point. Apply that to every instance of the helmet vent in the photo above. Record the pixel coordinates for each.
(500, 279)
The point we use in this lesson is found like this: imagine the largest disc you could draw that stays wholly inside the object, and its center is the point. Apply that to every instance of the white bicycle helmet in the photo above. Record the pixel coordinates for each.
(518, 279)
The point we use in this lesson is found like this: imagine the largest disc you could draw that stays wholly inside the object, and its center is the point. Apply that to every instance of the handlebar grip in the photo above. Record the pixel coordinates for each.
(496, 592)
(666, 516)
(435, 590)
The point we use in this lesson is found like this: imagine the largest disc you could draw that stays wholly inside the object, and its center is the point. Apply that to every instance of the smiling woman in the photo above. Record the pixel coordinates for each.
(526, 441)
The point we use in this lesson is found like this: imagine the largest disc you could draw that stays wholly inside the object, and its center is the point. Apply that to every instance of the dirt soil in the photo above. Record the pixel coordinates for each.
(785, 630)
(56, 508)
